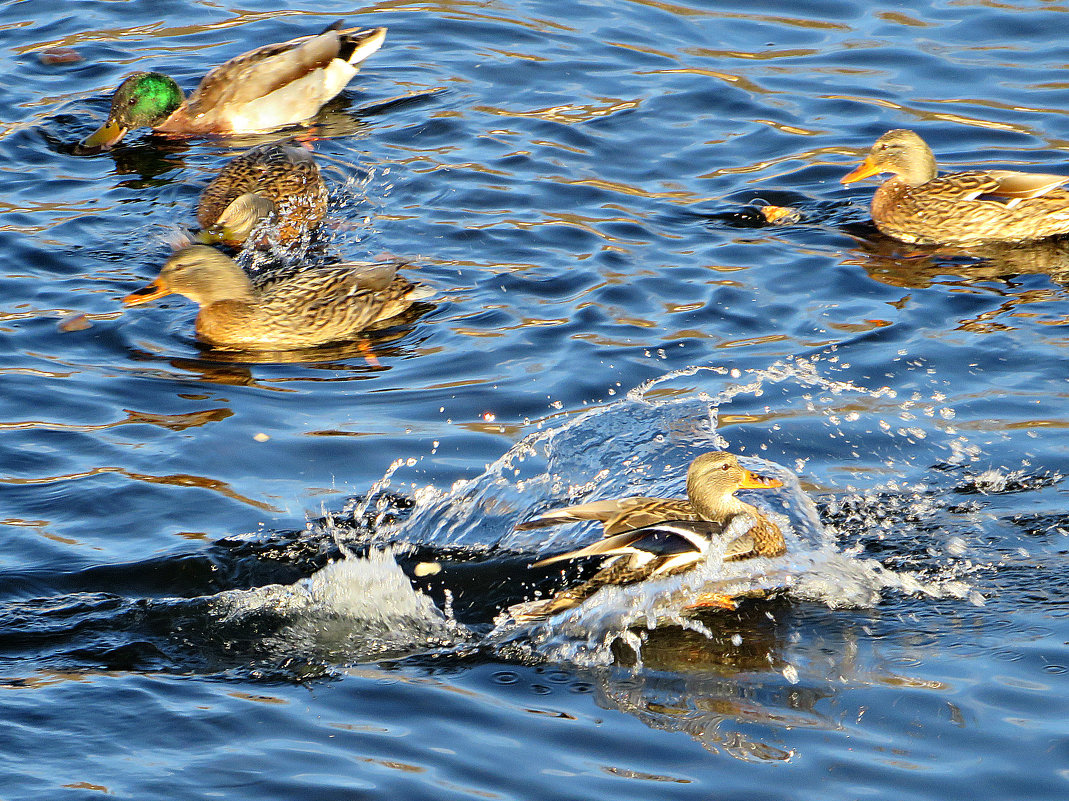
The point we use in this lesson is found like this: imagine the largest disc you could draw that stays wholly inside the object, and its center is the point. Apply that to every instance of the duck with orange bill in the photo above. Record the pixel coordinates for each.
(316, 306)
(917, 205)
(649, 538)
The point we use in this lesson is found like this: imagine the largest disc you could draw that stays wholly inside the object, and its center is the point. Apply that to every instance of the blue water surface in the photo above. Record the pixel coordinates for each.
(194, 597)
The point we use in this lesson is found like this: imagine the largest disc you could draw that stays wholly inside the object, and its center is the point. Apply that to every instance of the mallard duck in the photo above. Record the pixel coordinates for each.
(273, 86)
(314, 307)
(280, 181)
(917, 206)
(656, 537)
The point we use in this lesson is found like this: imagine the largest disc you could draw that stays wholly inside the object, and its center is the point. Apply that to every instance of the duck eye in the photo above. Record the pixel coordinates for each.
(724, 467)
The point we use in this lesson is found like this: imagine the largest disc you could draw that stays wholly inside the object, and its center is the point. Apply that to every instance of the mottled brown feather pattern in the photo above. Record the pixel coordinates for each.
(618, 573)
(762, 539)
(311, 307)
(975, 206)
(939, 212)
(315, 307)
(618, 516)
(284, 174)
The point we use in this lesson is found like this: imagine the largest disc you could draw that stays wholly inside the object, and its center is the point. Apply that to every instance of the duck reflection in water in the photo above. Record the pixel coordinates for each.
(915, 266)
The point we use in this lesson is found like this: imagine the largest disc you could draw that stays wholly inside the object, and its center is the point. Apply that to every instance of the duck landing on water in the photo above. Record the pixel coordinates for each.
(650, 538)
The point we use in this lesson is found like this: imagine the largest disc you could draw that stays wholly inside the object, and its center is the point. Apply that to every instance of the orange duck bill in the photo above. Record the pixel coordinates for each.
(150, 292)
(754, 481)
(863, 170)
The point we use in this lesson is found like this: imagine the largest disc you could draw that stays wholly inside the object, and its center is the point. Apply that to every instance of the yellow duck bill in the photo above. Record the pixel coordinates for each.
(104, 137)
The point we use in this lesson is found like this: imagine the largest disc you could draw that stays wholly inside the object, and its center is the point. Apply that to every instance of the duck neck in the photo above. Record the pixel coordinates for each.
(919, 168)
(228, 284)
(722, 508)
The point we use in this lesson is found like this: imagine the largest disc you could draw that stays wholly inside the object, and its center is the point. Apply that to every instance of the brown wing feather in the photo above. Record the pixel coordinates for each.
(1012, 184)
(255, 74)
(763, 538)
(656, 542)
(328, 304)
(284, 174)
(617, 515)
(961, 185)
(615, 574)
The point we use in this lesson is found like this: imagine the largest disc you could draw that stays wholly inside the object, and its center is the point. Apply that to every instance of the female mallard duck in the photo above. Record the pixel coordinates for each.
(916, 206)
(656, 537)
(270, 181)
(314, 307)
(267, 88)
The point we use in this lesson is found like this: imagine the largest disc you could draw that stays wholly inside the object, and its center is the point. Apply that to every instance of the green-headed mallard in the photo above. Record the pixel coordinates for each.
(280, 182)
(267, 88)
(655, 537)
(916, 205)
(314, 307)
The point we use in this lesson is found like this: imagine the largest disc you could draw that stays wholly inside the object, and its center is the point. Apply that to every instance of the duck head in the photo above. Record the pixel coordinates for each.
(713, 479)
(143, 99)
(200, 273)
(901, 152)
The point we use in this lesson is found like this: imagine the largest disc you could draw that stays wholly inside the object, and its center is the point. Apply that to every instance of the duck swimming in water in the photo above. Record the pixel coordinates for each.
(656, 537)
(917, 205)
(278, 181)
(316, 306)
(270, 87)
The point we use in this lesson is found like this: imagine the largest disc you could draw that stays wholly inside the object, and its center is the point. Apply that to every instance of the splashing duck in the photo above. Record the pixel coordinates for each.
(278, 181)
(916, 205)
(270, 87)
(314, 307)
(656, 537)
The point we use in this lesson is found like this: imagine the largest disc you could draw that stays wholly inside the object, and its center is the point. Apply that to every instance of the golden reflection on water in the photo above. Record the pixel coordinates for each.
(569, 114)
(174, 422)
(174, 480)
(898, 18)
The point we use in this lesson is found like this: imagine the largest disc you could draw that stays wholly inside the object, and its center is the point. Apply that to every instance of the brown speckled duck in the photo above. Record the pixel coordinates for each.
(273, 86)
(916, 205)
(278, 181)
(314, 307)
(656, 537)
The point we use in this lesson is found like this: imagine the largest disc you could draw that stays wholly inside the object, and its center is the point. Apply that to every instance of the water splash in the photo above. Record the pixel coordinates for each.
(641, 445)
(354, 609)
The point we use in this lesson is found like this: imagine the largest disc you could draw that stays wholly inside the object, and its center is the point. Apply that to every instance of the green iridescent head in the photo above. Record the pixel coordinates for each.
(143, 99)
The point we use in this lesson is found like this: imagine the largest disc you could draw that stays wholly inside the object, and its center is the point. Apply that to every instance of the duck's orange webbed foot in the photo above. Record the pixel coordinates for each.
(712, 600)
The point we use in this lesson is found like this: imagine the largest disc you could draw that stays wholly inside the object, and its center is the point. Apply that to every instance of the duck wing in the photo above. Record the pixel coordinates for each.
(331, 303)
(1023, 185)
(266, 178)
(675, 540)
(618, 515)
(662, 549)
(994, 185)
(305, 73)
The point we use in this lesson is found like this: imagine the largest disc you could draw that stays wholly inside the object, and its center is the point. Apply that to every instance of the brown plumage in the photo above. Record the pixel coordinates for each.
(314, 307)
(917, 206)
(280, 182)
(656, 537)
